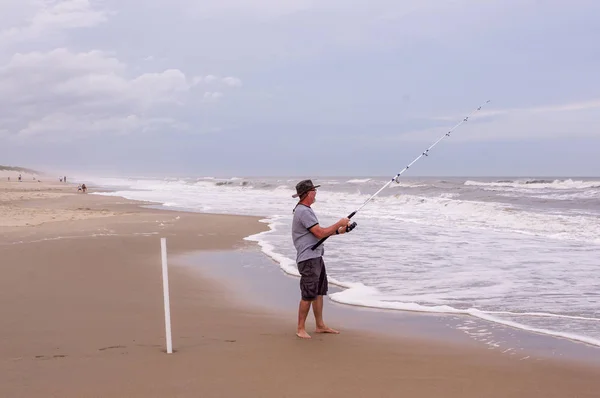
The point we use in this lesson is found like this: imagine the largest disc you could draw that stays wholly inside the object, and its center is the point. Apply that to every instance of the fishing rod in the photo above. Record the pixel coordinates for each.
(395, 178)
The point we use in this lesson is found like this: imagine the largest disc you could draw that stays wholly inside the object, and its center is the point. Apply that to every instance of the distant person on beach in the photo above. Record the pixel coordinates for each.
(306, 231)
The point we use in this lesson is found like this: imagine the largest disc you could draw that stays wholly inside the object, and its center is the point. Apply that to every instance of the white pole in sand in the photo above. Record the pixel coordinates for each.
(165, 275)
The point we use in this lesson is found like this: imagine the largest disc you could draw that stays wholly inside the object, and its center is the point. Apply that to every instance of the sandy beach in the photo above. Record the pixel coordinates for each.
(82, 316)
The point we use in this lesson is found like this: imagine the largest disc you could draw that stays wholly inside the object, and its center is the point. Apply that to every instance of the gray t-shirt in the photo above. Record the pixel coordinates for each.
(305, 218)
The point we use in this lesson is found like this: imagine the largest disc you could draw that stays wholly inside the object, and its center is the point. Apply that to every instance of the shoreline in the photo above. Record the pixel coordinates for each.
(259, 283)
(494, 322)
(83, 316)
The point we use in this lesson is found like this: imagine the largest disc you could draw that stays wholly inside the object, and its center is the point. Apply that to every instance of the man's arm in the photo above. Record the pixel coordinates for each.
(321, 232)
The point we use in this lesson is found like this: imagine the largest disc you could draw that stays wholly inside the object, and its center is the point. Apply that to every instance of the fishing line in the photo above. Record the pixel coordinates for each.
(395, 178)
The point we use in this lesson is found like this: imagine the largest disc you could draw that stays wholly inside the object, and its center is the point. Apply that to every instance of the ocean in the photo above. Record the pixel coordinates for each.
(522, 252)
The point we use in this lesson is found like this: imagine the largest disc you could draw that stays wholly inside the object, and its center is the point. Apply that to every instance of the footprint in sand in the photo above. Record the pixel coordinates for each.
(46, 357)
(111, 347)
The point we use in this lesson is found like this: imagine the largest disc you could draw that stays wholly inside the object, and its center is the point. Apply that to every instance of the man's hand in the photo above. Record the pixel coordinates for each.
(344, 222)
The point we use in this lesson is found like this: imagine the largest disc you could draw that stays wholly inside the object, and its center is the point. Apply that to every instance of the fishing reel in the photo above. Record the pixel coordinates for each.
(350, 227)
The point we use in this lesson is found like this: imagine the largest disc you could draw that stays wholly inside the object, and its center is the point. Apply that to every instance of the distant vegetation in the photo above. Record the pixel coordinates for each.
(18, 169)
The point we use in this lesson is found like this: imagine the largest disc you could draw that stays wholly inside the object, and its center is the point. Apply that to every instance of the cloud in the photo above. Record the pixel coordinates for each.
(256, 9)
(52, 92)
(51, 16)
(540, 122)
(567, 107)
(61, 92)
(212, 96)
(66, 127)
(574, 106)
(212, 79)
(232, 81)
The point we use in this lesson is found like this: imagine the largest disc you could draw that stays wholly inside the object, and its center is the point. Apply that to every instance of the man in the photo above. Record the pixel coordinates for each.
(306, 231)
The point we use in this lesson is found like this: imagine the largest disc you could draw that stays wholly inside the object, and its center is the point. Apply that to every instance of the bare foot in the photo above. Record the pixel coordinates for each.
(302, 334)
(326, 329)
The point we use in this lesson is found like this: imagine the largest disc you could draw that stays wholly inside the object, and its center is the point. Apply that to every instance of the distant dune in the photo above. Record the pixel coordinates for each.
(19, 170)
(14, 171)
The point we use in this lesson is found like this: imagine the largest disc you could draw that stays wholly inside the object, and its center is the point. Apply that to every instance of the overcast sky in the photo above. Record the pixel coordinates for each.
(300, 87)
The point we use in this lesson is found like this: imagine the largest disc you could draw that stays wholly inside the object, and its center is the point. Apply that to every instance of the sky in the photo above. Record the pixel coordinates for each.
(300, 87)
